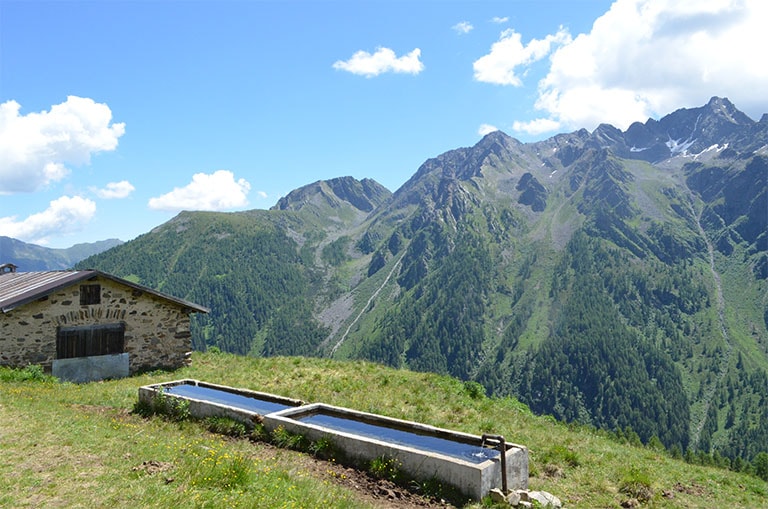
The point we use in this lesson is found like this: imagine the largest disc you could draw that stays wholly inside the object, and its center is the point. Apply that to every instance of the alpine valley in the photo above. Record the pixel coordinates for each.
(617, 279)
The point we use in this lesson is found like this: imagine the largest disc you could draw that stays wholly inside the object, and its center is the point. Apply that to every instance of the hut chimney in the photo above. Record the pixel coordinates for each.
(7, 267)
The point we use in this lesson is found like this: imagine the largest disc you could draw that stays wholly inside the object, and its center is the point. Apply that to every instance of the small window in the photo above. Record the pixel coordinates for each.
(90, 294)
(90, 340)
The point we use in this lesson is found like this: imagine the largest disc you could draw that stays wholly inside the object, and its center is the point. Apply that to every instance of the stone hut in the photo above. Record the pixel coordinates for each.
(86, 325)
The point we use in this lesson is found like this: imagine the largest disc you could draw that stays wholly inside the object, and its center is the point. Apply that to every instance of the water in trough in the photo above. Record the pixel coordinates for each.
(413, 439)
(249, 403)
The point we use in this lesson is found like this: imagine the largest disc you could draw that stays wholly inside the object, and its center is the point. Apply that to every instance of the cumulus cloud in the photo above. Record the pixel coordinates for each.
(645, 58)
(64, 215)
(217, 191)
(509, 53)
(486, 129)
(499, 20)
(462, 27)
(34, 148)
(384, 60)
(115, 190)
(536, 126)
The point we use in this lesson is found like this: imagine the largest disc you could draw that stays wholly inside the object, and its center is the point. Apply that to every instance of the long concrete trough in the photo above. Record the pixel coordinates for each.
(422, 451)
(473, 464)
(209, 400)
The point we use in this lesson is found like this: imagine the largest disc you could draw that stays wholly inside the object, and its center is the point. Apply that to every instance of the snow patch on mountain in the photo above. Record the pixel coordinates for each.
(716, 147)
(678, 146)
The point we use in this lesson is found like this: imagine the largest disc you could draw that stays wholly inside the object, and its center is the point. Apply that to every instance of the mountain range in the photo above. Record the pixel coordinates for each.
(617, 279)
(31, 257)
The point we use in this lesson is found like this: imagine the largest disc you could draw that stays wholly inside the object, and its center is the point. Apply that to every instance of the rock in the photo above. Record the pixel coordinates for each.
(545, 499)
(513, 499)
(630, 503)
(497, 496)
(533, 193)
(525, 498)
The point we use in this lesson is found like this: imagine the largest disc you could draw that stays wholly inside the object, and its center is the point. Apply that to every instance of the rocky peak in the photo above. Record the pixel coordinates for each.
(684, 132)
(722, 107)
(696, 129)
(465, 163)
(364, 195)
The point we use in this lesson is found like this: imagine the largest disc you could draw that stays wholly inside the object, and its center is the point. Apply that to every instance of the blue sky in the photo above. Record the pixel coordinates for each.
(116, 115)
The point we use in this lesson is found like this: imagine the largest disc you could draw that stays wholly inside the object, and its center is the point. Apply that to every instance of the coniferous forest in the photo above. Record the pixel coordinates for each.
(607, 278)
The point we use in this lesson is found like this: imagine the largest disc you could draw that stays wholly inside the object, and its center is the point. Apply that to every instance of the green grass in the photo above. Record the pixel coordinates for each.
(66, 445)
(746, 299)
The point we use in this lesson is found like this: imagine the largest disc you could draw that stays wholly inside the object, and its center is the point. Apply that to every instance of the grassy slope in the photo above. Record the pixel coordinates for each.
(65, 445)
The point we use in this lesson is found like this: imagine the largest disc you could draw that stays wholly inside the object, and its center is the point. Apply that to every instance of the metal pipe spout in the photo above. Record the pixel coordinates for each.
(501, 445)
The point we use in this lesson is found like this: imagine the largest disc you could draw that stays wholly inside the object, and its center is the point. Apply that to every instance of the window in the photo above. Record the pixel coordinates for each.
(90, 294)
(90, 340)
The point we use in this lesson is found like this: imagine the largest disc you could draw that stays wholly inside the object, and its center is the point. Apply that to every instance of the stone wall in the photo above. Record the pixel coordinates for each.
(157, 331)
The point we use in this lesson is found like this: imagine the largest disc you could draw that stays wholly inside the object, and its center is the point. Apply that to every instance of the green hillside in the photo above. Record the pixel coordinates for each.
(66, 445)
(601, 278)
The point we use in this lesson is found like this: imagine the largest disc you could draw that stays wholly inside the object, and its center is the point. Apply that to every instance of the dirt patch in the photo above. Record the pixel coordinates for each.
(153, 467)
(692, 489)
(553, 471)
(116, 412)
(367, 488)
(377, 492)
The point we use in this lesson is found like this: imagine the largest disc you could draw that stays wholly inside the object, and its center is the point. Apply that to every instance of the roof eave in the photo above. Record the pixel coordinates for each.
(76, 277)
(185, 303)
(82, 275)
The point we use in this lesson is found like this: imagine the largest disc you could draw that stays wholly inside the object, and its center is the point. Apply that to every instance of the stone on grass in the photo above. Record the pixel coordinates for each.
(525, 498)
(545, 499)
(513, 499)
(497, 496)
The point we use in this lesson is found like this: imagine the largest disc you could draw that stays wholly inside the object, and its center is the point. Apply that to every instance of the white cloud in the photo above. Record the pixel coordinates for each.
(115, 190)
(63, 215)
(645, 58)
(486, 129)
(261, 194)
(384, 60)
(462, 27)
(536, 126)
(217, 191)
(499, 20)
(508, 54)
(35, 147)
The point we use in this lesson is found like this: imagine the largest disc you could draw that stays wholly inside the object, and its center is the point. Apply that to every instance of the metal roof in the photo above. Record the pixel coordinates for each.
(19, 288)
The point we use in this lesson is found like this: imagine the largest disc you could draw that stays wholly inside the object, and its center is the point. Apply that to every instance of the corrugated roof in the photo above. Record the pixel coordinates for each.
(19, 288)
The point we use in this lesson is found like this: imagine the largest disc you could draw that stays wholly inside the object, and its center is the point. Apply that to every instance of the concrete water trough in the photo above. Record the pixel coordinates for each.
(473, 464)
(209, 400)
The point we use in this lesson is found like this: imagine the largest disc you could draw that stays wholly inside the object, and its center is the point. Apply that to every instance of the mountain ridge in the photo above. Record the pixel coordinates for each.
(513, 264)
(32, 257)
